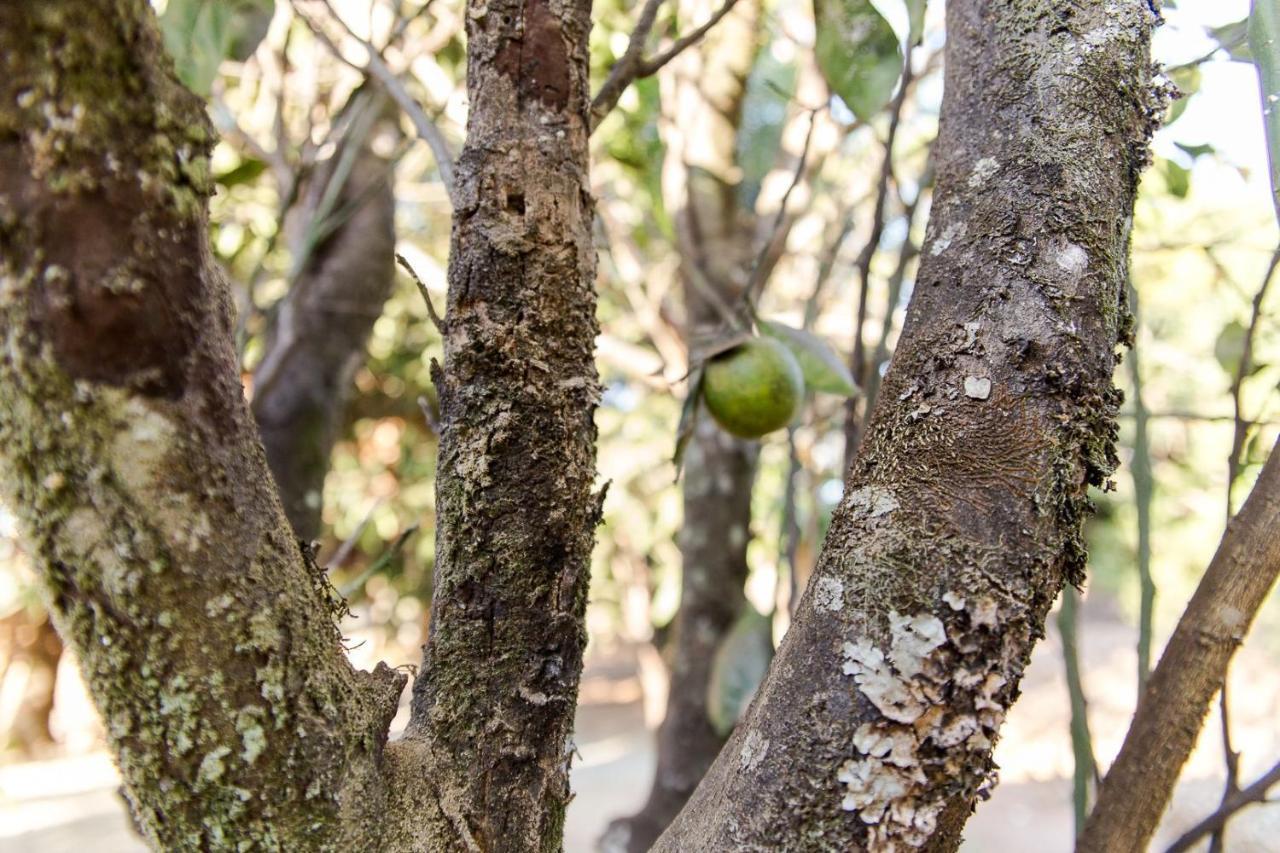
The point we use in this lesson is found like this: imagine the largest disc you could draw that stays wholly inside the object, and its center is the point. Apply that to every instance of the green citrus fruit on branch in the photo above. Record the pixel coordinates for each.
(753, 388)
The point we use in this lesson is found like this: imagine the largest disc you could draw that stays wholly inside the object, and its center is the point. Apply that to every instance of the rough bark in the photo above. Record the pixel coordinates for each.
(703, 94)
(1192, 669)
(318, 332)
(961, 518)
(493, 705)
(205, 634)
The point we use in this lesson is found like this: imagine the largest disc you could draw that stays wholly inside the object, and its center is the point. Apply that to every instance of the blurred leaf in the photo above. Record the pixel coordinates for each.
(822, 367)
(1264, 40)
(740, 665)
(1176, 178)
(1235, 38)
(1196, 151)
(249, 27)
(1228, 349)
(199, 34)
(858, 54)
(247, 170)
(915, 14)
(1187, 79)
(688, 416)
(764, 111)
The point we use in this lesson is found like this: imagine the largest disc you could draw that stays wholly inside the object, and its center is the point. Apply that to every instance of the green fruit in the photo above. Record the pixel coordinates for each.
(753, 388)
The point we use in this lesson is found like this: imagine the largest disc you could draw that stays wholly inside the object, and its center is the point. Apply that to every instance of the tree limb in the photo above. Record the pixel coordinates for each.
(1191, 670)
(1255, 793)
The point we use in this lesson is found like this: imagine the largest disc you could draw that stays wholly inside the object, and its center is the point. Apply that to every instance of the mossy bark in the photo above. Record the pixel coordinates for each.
(205, 634)
(962, 515)
(494, 702)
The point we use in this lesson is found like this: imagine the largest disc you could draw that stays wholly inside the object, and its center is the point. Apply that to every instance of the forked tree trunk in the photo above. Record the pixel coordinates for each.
(961, 518)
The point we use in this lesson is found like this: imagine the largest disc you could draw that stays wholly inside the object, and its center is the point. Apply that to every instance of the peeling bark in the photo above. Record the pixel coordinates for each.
(205, 635)
(318, 333)
(962, 514)
(493, 705)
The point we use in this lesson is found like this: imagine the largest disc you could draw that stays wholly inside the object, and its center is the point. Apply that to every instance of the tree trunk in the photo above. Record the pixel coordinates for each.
(703, 95)
(317, 336)
(1191, 670)
(962, 515)
(206, 636)
(494, 702)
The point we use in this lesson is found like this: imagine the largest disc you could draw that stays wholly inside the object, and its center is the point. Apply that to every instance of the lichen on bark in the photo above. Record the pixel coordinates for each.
(205, 634)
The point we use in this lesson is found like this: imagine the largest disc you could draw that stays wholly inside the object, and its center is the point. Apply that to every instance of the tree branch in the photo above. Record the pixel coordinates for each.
(632, 65)
(1190, 672)
(1255, 793)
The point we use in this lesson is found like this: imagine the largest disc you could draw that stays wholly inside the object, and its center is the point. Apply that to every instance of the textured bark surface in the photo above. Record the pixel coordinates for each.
(703, 92)
(961, 518)
(1192, 669)
(206, 636)
(318, 333)
(493, 706)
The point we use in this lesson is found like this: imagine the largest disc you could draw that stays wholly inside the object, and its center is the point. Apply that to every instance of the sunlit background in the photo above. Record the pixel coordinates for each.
(1204, 232)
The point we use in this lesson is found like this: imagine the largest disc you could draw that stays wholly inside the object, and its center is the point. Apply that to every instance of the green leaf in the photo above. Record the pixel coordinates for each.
(822, 367)
(858, 54)
(1176, 178)
(199, 34)
(1187, 79)
(247, 170)
(1196, 151)
(1234, 38)
(1264, 43)
(915, 14)
(739, 666)
(1228, 349)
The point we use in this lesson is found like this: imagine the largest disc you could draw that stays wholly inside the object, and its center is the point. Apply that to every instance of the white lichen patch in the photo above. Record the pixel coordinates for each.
(140, 446)
(982, 171)
(755, 747)
(938, 716)
(1073, 259)
(828, 594)
(977, 387)
(212, 766)
(872, 501)
(951, 233)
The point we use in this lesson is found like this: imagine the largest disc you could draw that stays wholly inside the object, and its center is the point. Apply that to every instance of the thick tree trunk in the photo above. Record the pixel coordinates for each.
(703, 90)
(962, 515)
(493, 705)
(1191, 670)
(206, 636)
(318, 333)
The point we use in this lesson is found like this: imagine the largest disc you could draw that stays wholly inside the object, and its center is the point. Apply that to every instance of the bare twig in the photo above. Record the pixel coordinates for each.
(422, 289)
(858, 363)
(378, 70)
(1143, 492)
(1255, 793)
(633, 65)
(1086, 768)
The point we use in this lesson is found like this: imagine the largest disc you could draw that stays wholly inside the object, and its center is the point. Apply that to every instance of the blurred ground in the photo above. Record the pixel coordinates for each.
(69, 805)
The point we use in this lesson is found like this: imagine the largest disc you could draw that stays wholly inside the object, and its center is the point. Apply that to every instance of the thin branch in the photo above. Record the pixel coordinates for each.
(632, 65)
(422, 289)
(378, 70)
(858, 365)
(1255, 793)
(1143, 492)
(1085, 765)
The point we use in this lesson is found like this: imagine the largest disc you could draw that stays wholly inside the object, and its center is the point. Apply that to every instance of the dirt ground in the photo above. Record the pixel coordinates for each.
(70, 806)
